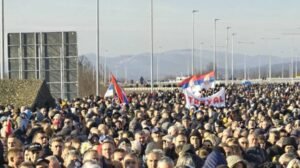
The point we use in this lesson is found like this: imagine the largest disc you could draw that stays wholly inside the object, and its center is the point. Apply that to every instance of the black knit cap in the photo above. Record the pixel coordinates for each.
(289, 141)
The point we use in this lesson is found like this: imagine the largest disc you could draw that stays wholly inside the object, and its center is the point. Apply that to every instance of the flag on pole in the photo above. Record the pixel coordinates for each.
(115, 89)
(203, 81)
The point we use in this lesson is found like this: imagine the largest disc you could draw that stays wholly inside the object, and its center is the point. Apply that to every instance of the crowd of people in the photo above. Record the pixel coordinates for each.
(258, 128)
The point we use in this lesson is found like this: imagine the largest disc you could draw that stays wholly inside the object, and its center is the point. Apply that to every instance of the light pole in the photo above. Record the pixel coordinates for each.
(245, 66)
(226, 57)
(215, 47)
(296, 65)
(270, 58)
(293, 34)
(98, 52)
(2, 36)
(157, 66)
(193, 50)
(292, 63)
(152, 48)
(232, 43)
(200, 58)
(105, 68)
(259, 64)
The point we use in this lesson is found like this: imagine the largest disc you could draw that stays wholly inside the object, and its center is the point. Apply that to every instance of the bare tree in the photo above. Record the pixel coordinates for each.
(87, 80)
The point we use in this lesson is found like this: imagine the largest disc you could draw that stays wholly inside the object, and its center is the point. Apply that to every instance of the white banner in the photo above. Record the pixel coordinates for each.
(216, 100)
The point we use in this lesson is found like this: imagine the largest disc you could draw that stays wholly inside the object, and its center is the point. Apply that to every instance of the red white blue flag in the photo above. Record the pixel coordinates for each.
(204, 80)
(115, 89)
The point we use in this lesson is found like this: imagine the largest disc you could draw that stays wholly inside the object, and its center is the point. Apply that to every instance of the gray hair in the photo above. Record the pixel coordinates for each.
(185, 160)
(158, 152)
(91, 164)
(165, 160)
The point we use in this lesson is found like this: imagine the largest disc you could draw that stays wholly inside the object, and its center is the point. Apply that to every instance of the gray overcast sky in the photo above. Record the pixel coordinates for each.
(125, 24)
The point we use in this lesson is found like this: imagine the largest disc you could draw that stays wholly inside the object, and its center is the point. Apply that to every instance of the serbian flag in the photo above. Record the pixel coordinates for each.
(114, 88)
(199, 82)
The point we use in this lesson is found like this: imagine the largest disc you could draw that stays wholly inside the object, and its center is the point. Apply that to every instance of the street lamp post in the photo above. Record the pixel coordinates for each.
(200, 57)
(245, 66)
(105, 68)
(98, 52)
(270, 57)
(232, 43)
(215, 47)
(259, 65)
(152, 47)
(226, 57)
(193, 49)
(157, 65)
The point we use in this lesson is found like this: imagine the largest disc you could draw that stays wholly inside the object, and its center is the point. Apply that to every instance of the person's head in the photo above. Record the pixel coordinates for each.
(265, 124)
(41, 138)
(53, 162)
(261, 141)
(156, 135)
(273, 137)
(235, 161)
(251, 124)
(26, 155)
(153, 157)
(243, 142)
(56, 121)
(125, 144)
(68, 123)
(15, 157)
(173, 131)
(168, 142)
(71, 155)
(91, 164)
(140, 137)
(186, 121)
(90, 155)
(227, 133)
(130, 161)
(154, 121)
(26, 165)
(295, 163)
(103, 129)
(13, 142)
(119, 155)
(34, 152)
(195, 139)
(252, 140)
(42, 163)
(180, 139)
(286, 158)
(57, 146)
(289, 144)
(76, 143)
(165, 162)
(108, 148)
(185, 160)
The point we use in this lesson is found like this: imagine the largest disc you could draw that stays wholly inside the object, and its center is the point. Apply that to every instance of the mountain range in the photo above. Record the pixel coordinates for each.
(178, 63)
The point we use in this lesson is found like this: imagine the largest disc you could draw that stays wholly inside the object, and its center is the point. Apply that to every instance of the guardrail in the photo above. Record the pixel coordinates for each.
(165, 84)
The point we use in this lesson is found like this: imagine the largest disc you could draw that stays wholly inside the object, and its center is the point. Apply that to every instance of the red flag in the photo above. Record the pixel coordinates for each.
(120, 93)
(8, 129)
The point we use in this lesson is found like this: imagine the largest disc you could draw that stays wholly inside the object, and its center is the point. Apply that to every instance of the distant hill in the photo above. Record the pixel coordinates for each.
(178, 63)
